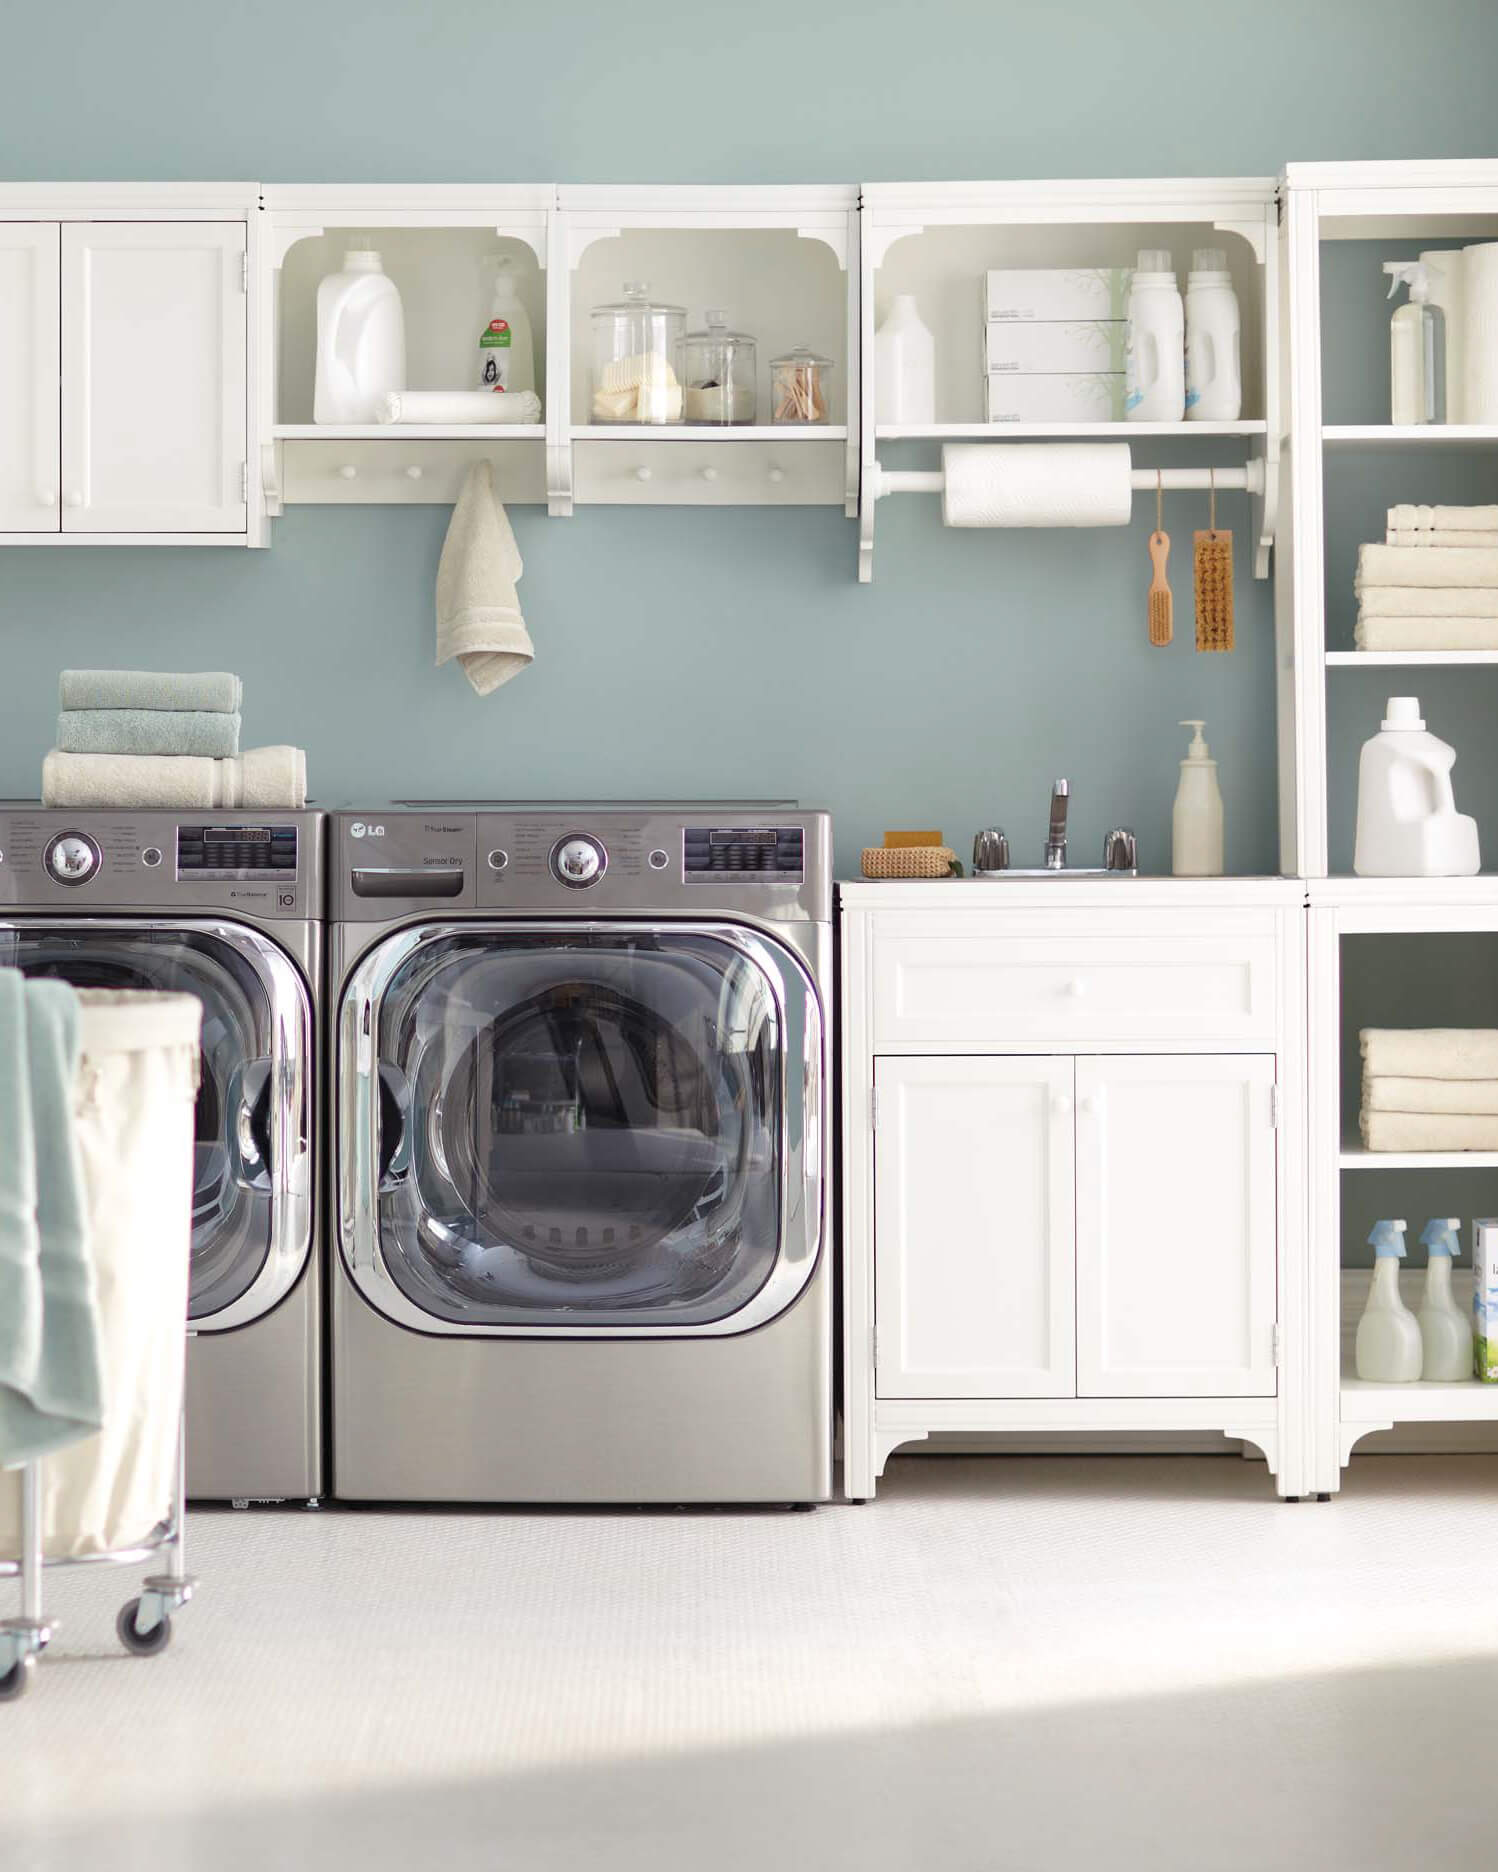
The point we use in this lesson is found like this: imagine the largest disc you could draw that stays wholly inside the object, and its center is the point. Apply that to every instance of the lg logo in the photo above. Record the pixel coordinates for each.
(359, 830)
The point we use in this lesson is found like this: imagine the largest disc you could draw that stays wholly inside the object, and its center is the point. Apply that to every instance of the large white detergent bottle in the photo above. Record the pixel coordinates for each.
(361, 340)
(1445, 1330)
(1154, 342)
(1196, 818)
(1214, 384)
(1408, 825)
(904, 366)
(1389, 1349)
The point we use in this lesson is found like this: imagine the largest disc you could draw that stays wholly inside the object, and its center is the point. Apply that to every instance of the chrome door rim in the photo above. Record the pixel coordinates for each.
(356, 1120)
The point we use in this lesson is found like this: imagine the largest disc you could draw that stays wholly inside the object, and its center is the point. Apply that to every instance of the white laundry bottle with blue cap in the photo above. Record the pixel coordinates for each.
(1389, 1348)
(1408, 825)
(1445, 1330)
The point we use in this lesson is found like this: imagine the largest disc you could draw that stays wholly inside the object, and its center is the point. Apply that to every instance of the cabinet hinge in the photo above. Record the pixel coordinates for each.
(873, 1108)
(244, 272)
(1275, 1347)
(1274, 1107)
(874, 1344)
(244, 481)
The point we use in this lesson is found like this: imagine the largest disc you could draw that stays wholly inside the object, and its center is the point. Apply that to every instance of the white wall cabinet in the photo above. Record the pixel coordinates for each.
(30, 360)
(1054, 1221)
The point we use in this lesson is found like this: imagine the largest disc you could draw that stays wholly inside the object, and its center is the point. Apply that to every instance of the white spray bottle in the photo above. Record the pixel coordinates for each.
(1417, 348)
(1389, 1349)
(1445, 1330)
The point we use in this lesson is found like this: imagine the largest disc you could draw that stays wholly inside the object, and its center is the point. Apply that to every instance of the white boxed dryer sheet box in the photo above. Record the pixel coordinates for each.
(1058, 397)
(1023, 349)
(1485, 1298)
(1054, 293)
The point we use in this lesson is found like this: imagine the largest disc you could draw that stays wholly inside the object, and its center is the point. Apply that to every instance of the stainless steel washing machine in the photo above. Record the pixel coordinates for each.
(227, 907)
(581, 1090)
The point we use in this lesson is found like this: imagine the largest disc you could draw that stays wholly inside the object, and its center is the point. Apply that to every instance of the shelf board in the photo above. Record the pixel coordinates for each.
(1424, 435)
(710, 432)
(1406, 659)
(1023, 432)
(1467, 1401)
(1354, 1157)
(409, 432)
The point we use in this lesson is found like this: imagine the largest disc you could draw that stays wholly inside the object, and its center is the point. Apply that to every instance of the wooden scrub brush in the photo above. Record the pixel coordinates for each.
(1213, 575)
(1162, 628)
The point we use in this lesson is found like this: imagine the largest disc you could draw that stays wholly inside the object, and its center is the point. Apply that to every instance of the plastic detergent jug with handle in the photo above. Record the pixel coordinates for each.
(1154, 342)
(361, 341)
(1408, 825)
(1214, 385)
(1445, 1330)
(1389, 1349)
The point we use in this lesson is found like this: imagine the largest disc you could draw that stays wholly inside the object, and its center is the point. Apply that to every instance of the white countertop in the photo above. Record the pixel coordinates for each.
(983, 893)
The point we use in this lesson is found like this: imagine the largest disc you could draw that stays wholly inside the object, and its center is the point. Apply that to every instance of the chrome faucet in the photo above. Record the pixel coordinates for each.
(1055, 844)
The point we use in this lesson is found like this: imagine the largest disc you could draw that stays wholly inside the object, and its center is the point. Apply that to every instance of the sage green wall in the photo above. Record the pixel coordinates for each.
(719, 651)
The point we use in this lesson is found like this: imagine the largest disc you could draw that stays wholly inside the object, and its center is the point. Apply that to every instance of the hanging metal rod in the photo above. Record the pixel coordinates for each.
(1249, 480)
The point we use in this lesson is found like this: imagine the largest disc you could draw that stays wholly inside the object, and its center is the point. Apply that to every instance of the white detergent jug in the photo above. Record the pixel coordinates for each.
(361, 341)
(1214, 385)
(1408, 825)
(1154, 342)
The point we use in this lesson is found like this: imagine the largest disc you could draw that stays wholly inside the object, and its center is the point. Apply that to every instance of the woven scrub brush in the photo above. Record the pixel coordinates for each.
(1161, 624)
(1213, 580)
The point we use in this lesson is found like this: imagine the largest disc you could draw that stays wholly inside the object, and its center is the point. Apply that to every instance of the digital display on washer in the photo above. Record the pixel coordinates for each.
(757, 854)
(209, 851)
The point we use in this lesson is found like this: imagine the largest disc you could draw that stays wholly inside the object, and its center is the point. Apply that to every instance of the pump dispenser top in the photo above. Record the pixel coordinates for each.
(1388, 1238)
(1439, 1236)
(1412, 273)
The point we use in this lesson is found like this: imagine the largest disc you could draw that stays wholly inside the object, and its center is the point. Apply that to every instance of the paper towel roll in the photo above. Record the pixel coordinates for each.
(1036, 484)
(1447, 270)
(1480, 334)
(447, 408)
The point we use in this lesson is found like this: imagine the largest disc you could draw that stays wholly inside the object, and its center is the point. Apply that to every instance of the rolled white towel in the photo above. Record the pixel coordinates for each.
(268, 776)
(1428, 1131)
(1468, 1096)
(450, 408)
(1428, 600)
(1414, 565)
(1477, 519)
(1426, 633)
(1429, 1052)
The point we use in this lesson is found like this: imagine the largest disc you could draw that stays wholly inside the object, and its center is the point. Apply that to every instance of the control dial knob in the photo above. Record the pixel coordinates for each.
(72, 858)
(578, 860)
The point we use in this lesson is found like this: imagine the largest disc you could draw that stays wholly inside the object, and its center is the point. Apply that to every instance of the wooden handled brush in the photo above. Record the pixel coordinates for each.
(1213, 580)
(1162, 628)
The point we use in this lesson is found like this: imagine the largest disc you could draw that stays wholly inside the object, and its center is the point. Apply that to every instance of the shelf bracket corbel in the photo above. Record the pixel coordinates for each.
(1264, 1438)
(1264, 510)
(283, 239)
(581, 237)
(1256, 233)
(534, 238)
(835, 238)
(881, 236)
(886, 1442)
(1349, 1434)
(271, 482)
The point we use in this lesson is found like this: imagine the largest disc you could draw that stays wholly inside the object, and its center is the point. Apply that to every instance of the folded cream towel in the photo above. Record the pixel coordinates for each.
(1445, 538)
(1429, 1052)
(148, 731)
(1426, 633)
(478, 612)
(269, 776)
(448, 407)
(1469, 1096)
(1428, 601)
(1414, 565)
(153, 689)
(1428, 1131)
(1476, 519)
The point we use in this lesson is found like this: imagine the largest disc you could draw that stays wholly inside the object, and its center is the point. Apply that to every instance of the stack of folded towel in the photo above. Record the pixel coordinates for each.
(150, 738)
(1429, 1088)
(1433, 584)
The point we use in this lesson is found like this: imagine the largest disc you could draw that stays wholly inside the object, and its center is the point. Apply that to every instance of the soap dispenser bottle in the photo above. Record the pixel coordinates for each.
(1196, 822)
(1389, 1348)
(1417, 348)
(1445, 1330)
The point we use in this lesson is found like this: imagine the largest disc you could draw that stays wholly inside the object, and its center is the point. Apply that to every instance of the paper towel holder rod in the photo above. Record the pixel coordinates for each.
(1248, 479)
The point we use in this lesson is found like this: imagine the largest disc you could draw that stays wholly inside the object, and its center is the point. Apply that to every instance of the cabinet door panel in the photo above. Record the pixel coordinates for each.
(154, 385)
(29, 365)
(973, 1192)
(1176, 1226)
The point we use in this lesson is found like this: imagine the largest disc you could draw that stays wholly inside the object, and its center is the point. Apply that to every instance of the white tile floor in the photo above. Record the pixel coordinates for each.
(1033, 1663)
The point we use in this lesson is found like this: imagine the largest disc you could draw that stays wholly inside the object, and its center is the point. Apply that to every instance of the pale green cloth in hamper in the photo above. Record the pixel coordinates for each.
(148, 731)
(51, 1376)
(215, 690)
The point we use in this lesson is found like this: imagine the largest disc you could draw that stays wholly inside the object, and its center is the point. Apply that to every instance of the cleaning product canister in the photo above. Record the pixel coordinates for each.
(1445, 1330)
(1196, 821)
(361, 341)
(1154, 342)
(1408, 825)
(507, 359)
(1485, 1299)
(1214, 384)
(1417, 348)
(1389, 1349)
(905, 366)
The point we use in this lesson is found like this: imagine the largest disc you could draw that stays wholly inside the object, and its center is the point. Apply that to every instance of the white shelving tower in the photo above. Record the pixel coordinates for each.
(1325, 203)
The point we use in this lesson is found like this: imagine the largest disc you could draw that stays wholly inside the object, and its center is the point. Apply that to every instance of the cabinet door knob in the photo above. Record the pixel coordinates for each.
(777, 475)
(413, 473)
(348, 472)
(709, 474)
(1061, 1104)
(1076, 987)
(1087, 1105)
(46, 497)
(642, 473)
(73, 499)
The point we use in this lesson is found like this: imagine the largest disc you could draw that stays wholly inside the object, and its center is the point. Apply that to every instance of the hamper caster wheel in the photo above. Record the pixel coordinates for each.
(17, 1679)
(143, 1644)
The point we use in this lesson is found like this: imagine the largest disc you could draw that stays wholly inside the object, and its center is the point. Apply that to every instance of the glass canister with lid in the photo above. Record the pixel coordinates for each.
(717, 372)
(635, 347)
(798, 386)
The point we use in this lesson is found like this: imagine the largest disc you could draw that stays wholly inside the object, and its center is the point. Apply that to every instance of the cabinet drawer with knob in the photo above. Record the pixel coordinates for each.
(976, 980)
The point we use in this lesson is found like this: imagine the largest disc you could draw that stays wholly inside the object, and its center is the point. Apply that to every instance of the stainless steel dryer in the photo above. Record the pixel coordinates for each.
(228, 907)
(582, 1114)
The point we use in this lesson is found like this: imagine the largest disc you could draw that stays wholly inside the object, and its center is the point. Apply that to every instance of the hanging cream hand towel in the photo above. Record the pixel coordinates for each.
(478, 612)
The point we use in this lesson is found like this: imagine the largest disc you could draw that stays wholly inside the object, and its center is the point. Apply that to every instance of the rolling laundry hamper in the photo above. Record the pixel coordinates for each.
(118, 1496)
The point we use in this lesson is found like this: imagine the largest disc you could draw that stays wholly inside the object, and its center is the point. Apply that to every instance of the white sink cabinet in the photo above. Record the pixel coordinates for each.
(1073, 1182)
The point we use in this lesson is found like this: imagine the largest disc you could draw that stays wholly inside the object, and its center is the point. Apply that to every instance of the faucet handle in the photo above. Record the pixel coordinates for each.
(990, 851)
(1121, 850)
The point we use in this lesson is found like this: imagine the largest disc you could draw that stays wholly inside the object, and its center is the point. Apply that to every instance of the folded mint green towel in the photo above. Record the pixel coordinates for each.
(51, 1365)
(214, 690)
(148, 731)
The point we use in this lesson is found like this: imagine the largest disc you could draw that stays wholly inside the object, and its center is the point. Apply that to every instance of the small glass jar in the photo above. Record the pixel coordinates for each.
(717, 374)
(798, 386)
(635, 344)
